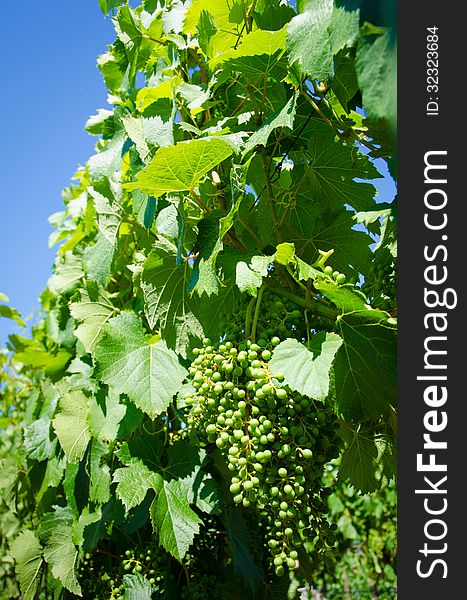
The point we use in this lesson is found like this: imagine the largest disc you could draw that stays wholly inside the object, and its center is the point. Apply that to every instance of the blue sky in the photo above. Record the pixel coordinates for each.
(51, 85)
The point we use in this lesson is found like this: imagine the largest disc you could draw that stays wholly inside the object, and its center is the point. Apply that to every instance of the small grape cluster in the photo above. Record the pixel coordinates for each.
(274, 440)
(149, 562)
(94, 580)
(282, 318)
(382, 286)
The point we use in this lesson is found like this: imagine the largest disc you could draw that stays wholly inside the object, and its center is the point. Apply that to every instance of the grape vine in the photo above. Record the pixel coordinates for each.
(214, 366)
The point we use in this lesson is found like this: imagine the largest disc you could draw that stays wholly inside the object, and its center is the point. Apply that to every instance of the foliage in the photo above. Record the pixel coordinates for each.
(217, 327)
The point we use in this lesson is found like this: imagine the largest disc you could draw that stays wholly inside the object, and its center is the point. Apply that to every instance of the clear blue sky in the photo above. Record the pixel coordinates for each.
(50, 86)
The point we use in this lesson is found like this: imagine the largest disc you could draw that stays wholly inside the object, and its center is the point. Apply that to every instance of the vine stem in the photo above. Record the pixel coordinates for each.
(256, 315)
(249, 312)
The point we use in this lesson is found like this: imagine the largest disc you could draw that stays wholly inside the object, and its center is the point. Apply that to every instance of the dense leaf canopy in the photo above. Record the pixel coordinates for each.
(217, 304)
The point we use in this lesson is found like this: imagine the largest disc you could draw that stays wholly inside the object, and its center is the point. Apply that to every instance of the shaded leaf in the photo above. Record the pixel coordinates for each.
(27, 552)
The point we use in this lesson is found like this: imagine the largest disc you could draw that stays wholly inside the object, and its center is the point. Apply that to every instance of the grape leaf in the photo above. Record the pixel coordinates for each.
(365, 369)
(261, 48)
(148, 131)
(137, 587)
(27, 552)
(180, 167)
(107, 5)
(56, 534)
(351, 301)
(94, 309)
(53, 475)
(363, 461)
(96, 124)
(61, 554)
(282, 118)
(149, 373)
(168, 304)
(376, 71)
(104, 164)
(99, 473)
(8, 312)
(37, 442)
(319, 33)
(8, 481)
(68, 272)
(210, 237)
(104, 417)
(71, 425)
(134, 481)
(307, 371)
(172, 518)
(205, 29)
(128, 31)
(331, 174)
(98, 258)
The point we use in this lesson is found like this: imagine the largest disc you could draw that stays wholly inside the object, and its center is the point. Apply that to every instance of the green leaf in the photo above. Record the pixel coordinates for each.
(27, 552)
(365, 369)
(104, 164)
(144, 132)
(94, 309)
(128, 31)
(137, 587)
(376, 71)
(332, 171)
(104, 417)
(107, 5)
(194, 95)
(344, 84)
(318, 34)
(86, 519)
(133, 483)
(11, 313)
(257, 53)
(362, 462)
(96, 124)
(173, 519)
(205, 29)
(71, 425)
(56, 533)
(37, 441)
(68, 272)
(99, 472)
(168, 304)
(98, 258)
(281, 118)
(307, 371)
(180, 167)
(9, 481)
(212, 230)
(61, 554)
(149, 373)
(54, 471)
(351, 301)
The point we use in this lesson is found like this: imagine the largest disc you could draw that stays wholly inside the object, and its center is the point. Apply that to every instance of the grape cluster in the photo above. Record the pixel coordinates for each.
(150, 563)
(274, 440)
(283, 319)
(382, 286)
